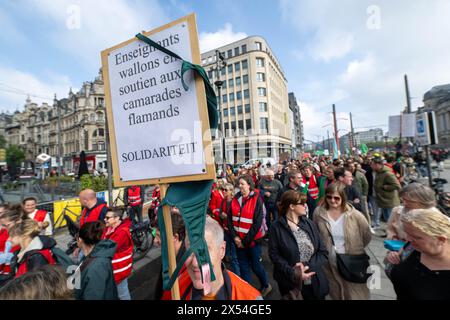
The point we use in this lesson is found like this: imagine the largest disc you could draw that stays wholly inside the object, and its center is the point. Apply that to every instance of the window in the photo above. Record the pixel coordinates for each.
(263, 107)
(244, 64)
(100, 102)
(94, 146)
(224, 98)
(230, 53)
(258, 46)
(232, 96)
(260, 76)
(238, 95)
(244, 48)
(227, 127)
(101, 146)
(230, 68)
(245, 79)
(210, 74)
(247, 108)
(246, 94)
(23, 138)
(92, 117)
(241, 124)
(223, 71)
(236, 51)
(94, 134)
(237, 66)
(239, 109)
(248, 124)
(238, 81)
(232, 111)
(262, 92)
(259, 62)
(231, 83)
(225, 112)
(100, 116)
(101, 132)
(233, 127)
(224, 84)
(263, 124)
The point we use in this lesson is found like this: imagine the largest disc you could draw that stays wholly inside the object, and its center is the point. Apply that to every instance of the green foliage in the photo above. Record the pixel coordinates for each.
(86, 181)
(2, 142)
(95, 183)
(14, 155)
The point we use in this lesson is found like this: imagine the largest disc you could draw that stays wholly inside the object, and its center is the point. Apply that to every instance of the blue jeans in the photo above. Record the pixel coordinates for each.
(122, 290)
(271, 211)
(386, 212)
(249, 258)
(375, 211)
(231, 252)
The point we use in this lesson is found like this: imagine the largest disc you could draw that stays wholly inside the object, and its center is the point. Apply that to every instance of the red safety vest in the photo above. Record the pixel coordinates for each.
(23, 268)
(94, 215)
(243, 215)
(313, 188)
(225, 207)
(134, 196)
(40, 215)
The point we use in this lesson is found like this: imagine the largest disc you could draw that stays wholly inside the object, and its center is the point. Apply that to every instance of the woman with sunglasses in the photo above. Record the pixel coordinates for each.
(296, 250)
(351, 235)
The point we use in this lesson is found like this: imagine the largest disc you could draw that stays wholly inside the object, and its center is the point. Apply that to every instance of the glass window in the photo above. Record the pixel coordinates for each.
(230, 68)
(247, 108)
(237, 66)
(225, 112)
(238, 81)
(263, 107)
(246, 93)
(232, 111)
(231, 83)
(239, 109)
(260, 76)
(262, 92)
(263, 124)
(101, 132)
(238, 95)
(210, 74)
(244, 64)
(224, 84)
(236, 51)
(223, 71)
(248, 124)
(259, 62)
(241, 124)
(227, 127)
(244, 48)
(232, 96)
(230, 53)
(224, 98)
(258, 45)
(245, 79)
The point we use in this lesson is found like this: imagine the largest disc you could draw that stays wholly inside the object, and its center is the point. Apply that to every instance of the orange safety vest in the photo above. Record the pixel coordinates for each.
(134, 196)
(242, 215)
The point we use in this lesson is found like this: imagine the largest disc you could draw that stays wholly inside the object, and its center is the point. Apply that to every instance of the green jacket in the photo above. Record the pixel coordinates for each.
(386, 187)
(361, 184)
(97, 278)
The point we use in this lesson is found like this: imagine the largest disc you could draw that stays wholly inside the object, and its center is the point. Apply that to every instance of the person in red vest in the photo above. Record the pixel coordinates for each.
(217, 195)
(134, 199)
(245, 223)
(40, 216)
(227, 285)
(35, 250)
(122, 262)
(311, 181)
(93, 209)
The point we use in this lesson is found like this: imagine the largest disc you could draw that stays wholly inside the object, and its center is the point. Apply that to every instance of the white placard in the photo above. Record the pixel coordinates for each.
(157, 124)
(409, 125)
(394, 126)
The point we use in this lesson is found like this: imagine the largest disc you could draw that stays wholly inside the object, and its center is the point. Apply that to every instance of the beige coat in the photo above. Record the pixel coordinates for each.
(357, 236)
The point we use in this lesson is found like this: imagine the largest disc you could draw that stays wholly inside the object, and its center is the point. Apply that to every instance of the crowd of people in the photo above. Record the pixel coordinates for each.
(315, 217)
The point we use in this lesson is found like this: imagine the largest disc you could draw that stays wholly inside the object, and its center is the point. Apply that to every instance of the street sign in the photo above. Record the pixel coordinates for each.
(426, 133)
(159, 131)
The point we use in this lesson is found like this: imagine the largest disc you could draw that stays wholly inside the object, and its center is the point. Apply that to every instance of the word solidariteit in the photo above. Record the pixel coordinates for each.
(167, 151)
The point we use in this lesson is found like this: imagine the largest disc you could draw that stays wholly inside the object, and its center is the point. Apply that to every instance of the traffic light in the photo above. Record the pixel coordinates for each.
(2, 155)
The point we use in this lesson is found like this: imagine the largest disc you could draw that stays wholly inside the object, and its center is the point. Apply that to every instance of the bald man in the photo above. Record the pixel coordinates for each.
(93, 209)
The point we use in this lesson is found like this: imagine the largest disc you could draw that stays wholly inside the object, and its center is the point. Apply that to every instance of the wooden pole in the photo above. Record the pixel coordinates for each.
(170, 245)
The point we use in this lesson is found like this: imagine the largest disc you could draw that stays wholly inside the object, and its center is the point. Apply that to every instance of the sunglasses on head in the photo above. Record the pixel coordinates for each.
(334, 198)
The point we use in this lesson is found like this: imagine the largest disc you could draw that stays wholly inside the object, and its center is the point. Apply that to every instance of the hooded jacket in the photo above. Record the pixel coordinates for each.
(386, 188)
(97, 278)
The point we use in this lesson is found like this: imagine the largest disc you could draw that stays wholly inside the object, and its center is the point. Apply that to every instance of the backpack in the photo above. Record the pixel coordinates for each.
(62, 258)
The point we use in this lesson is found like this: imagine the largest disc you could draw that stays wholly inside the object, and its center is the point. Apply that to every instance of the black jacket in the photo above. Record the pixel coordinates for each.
(369, 177)
(353, 194)
(283, 251)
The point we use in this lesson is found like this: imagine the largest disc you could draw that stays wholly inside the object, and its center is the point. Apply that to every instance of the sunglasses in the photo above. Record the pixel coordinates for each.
(334, 198)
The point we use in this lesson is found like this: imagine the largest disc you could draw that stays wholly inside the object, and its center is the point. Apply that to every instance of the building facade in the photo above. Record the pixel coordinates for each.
(296, 126)
(372, 135)
(79, 118)
(438, 100)
(253, 101)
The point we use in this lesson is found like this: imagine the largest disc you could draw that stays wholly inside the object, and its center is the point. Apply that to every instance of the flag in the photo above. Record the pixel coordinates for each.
(335, 149)
(364, 149)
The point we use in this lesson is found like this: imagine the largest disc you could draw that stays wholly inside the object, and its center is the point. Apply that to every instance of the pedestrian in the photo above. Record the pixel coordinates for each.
(343, 231)
(361, 185)
(227, 285)
(35, 249)
(42, 217)
(245, 221)
(134, 199)
(270, 187)
(345, 177)
(49, 282)
(93, 209)
(217, 195)
(324, 181)
(295, 244)
(425, 274)
(385, 189)
(312, 187)
(118, 230)
(97, 278)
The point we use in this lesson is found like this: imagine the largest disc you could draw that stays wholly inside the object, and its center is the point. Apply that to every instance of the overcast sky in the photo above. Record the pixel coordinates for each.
(353, 53)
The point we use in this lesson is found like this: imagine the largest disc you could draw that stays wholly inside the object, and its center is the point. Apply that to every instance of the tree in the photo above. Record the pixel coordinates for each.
(2, 142)
(14, 157)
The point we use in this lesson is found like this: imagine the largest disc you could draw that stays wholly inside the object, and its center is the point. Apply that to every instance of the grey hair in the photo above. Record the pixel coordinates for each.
(417, 192)
(216, 231)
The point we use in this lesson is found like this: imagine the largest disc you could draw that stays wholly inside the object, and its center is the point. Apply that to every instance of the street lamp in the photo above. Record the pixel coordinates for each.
(220, 64)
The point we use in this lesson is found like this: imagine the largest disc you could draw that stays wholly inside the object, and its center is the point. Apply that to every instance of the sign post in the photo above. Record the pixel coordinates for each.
(159, 130)
(426, 135)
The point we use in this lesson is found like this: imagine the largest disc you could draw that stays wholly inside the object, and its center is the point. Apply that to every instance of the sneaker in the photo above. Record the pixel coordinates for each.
(372, 231)
(266, 290)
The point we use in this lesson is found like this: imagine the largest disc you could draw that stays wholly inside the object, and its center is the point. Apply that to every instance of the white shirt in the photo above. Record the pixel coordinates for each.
(47, 231)
(337, 231)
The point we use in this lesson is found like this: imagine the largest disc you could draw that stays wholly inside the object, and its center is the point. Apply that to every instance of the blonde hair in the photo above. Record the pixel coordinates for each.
(27, 228)
(430, 221)
(417, 192)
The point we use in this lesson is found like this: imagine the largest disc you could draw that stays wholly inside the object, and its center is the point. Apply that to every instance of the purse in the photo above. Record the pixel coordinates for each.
(353, 268)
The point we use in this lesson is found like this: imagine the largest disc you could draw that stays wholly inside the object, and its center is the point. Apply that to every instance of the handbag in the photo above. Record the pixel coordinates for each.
(353, 268)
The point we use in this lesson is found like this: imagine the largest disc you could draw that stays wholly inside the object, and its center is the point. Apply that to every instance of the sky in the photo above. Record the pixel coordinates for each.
(351, 53)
